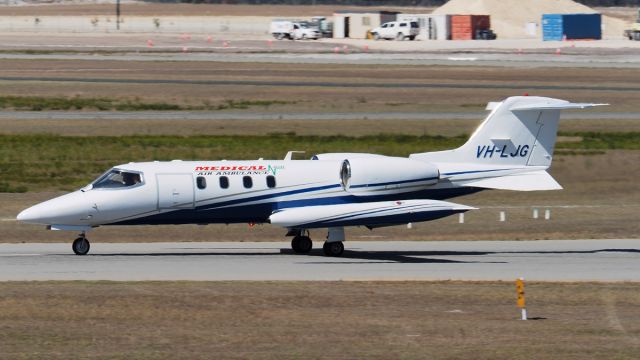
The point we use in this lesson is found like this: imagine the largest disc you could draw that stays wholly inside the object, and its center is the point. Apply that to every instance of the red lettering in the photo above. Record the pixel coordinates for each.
(201, 168)
(225, 167)
(262, 167)
(214, 168)
(242, 167)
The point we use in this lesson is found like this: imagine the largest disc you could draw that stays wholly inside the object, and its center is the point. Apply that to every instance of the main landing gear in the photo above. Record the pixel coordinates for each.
(302, 244)
(81, 245)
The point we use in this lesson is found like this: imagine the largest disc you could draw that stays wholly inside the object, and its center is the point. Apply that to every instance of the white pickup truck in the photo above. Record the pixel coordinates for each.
(294, 30)
(398, 30)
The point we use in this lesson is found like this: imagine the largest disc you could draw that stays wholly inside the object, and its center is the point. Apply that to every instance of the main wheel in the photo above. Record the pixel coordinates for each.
(333, 248)
(81, 246)
(301, 244)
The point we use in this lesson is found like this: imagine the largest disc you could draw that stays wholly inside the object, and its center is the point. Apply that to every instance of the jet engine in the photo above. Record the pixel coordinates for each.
(384, 175)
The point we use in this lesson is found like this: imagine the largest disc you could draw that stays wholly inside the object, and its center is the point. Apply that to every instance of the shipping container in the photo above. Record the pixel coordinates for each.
(465, 27)
(558, 27)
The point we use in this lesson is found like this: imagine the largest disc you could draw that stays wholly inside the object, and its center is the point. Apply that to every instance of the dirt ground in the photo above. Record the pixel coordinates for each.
(319, 320)
(613, 86)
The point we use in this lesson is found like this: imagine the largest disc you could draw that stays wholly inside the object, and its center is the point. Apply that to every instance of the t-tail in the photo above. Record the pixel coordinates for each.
(510, 150)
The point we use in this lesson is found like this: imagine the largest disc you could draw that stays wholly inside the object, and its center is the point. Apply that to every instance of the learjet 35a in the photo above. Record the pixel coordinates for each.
(510, 150)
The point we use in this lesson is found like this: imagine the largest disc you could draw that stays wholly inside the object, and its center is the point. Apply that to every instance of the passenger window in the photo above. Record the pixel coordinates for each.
(403, 24)
(271, 181)
(117, 179)
(385, 25)
(247, 182)
(414, 25)
(224, 182)
(201, 182)
(391, 25)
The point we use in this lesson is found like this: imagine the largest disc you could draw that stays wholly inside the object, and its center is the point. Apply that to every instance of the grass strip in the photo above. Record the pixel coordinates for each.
(53, 162)
(36, 103)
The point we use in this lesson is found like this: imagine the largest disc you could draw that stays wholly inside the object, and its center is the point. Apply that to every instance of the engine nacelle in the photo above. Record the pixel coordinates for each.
(386, 175)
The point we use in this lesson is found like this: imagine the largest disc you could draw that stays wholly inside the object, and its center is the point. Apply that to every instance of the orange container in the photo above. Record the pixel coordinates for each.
(464, 27)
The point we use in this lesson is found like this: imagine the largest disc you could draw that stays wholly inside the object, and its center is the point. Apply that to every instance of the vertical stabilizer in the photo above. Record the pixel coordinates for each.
(519, 131)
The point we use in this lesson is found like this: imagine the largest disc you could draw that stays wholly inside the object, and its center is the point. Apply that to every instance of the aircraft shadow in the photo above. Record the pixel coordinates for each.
(372, 257)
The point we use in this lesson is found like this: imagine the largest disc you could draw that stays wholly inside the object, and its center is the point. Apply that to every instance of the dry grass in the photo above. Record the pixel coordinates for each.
(354, 127)
(332, 320)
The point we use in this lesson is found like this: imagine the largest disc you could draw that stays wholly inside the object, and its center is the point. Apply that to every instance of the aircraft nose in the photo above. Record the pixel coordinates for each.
(30, 215)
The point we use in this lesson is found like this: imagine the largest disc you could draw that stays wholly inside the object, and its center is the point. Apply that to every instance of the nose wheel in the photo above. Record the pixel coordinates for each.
(81, 245)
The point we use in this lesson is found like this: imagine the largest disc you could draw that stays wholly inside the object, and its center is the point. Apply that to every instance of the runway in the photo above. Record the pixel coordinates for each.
(547, 260)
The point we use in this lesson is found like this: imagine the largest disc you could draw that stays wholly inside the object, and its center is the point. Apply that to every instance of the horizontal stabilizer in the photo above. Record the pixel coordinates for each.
(530, 181)
(372, 214)
(564, 105)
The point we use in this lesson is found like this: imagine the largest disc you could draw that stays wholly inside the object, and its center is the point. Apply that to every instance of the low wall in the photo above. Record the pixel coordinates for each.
(138, 24)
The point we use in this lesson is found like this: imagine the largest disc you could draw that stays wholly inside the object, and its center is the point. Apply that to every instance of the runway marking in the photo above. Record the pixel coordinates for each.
(8, 219)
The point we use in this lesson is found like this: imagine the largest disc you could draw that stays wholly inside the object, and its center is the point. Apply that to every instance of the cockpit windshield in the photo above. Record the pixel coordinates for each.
(117, 179)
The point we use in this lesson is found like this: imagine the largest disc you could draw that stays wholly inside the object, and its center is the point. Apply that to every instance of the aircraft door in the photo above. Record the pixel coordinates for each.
(175, 191)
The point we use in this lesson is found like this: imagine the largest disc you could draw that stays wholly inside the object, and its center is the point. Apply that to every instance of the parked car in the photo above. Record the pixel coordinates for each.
(398, 30)
(294, 30)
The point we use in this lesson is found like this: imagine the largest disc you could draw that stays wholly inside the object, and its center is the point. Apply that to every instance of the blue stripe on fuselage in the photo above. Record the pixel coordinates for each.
(259, 213)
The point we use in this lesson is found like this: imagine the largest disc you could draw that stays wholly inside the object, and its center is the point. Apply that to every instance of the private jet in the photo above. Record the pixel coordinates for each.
(510, 150)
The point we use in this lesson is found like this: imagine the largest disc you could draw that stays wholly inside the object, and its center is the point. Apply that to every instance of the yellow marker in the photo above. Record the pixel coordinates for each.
(520, 291)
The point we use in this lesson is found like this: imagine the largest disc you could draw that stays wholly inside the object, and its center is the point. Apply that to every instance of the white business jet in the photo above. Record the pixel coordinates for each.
(510, 150)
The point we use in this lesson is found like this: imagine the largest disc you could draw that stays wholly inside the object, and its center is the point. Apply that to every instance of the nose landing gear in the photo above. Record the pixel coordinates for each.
(81, 245)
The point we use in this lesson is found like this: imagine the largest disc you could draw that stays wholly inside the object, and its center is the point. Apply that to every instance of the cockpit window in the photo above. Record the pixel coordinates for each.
(117, 179)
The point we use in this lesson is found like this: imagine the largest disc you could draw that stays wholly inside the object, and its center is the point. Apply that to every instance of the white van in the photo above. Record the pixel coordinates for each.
(294, 30)
(398, 30)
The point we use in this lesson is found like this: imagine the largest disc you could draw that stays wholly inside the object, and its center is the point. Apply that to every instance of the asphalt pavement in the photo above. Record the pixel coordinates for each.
(545, 260)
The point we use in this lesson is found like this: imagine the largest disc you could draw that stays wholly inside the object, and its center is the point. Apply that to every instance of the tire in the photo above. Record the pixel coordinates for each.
(81, 246)
(301, 244)
(400, 37)
(333, 248)
(412, 38)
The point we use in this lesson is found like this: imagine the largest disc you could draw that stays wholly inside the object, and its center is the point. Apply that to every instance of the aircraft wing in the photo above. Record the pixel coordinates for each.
(370, 214)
